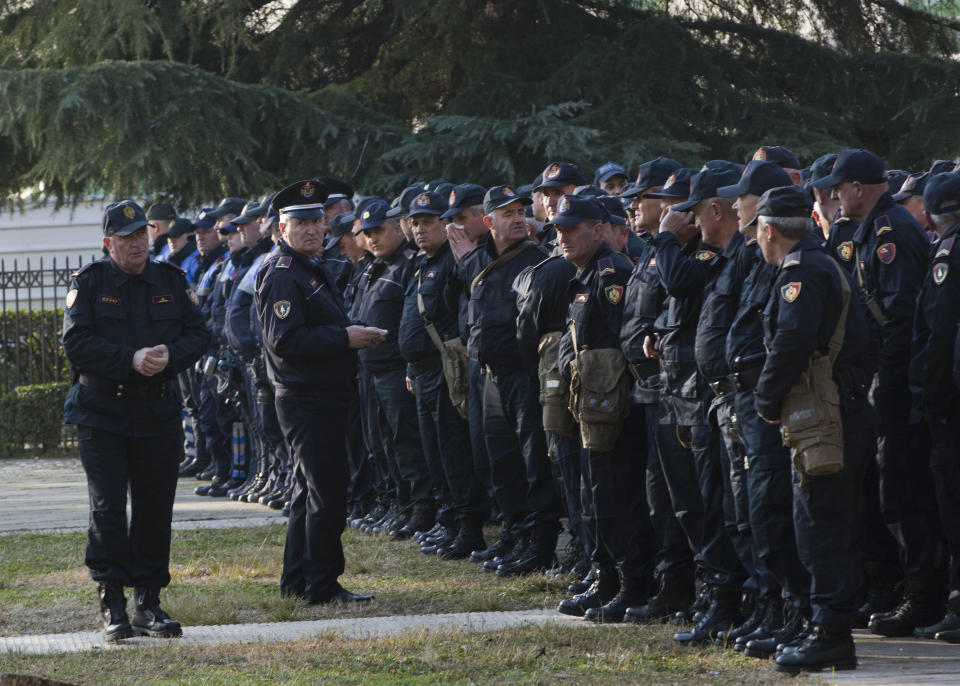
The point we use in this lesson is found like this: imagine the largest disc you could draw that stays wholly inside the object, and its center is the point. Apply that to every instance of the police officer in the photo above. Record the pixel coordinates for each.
(183, 249)
(129, 327)
(160, 216)
(801, 317)
(891, 253)
(311, 362)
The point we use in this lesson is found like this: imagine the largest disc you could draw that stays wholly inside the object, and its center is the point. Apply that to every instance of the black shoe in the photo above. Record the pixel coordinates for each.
(675, 595)
(823, 648)
(917, 610)
(602, 591)
(208, 473)
(692, 614)
(537, 557)
(794, 629)
(192, 468)
(113, 611)
(723, 613)
(224, 488)
(770, 623)
(285, 511)
(585, 582)
(217, 482)
(469, 538)
(630, 595)
(499, 548)
(512, 555)
(951, 636)
(341, 596)
(422, 519)
(949, 623)
(418, 536)
(574, 557)
(389, 520)
(883, 590)
(727, 639)
(148, 618)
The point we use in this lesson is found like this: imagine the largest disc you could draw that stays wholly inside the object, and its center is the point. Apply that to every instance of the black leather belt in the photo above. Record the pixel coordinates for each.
(746, 379)
(501, 369)
(722, 387)
(126, 391)
(425, 365)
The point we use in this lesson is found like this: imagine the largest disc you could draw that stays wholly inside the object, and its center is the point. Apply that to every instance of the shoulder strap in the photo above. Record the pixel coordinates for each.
(872, 305)
(836, 341)
(500, 261)
(427, 324)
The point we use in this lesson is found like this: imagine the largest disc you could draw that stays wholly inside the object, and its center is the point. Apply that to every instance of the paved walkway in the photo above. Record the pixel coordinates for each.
(50, 495)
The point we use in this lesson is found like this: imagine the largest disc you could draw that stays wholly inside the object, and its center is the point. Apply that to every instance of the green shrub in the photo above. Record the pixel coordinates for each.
(30, 350)
(32, 416)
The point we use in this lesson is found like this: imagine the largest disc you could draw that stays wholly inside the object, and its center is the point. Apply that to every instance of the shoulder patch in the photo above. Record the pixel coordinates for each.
(940, 270)
(409, 253)
(281, 308)
(845, 251)
(72, 297)
(791, 291)
(172, 266)
(882, 225)
(887, 252)
(945, 247)
(83, 269)
(605, 266)
(792, 260)
(705, 255)
(614, 294)
(284, 262)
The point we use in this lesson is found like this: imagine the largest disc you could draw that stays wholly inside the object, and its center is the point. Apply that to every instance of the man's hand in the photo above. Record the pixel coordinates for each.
(460, 243)
(680, 224)
(150, 361)
(409, 384)
(651, 347)
(365, 336)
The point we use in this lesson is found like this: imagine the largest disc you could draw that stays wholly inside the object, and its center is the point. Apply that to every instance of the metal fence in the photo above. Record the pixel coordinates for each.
(31, 318)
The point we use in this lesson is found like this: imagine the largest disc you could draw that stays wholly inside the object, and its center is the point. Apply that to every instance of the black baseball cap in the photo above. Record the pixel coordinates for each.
(123, 218)
(724, 165)
(204, 220)
(942, 193)
(559, 174)
(784, 201)
(614, 209)
(428, 202)
(758, 177)
(227, 206)
(854, 165)
(374, 214)
(181, 226)
(704, 184)
(822, 166)
(340, 226)
(252, 210)
(607, 171)
(655, 173)
(573, 209)
(592, 191)
(303, 199)
(896, 178)
(940, 166)
(463, 196)
(914, 185)
(163, 211)
(401, 203)
(779, 155)
(501, 196)
(677, 184)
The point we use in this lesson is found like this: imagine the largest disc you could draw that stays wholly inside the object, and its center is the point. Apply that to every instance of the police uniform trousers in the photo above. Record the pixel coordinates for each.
(517, 446)
(362, 488)
(945, 466)
(770, 500)
(384, 471)
(573, 472)
(429, 440)
(275, 447)
(448, 436)
(190, 390)
(314, 425)
(481, 461)
(137, 554)
(825, 511)
(211, 427)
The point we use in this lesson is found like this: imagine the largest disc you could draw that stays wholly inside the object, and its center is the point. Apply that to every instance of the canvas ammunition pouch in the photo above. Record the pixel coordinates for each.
(599, 394)
(554, 391)
(810, 415)
(454, 360)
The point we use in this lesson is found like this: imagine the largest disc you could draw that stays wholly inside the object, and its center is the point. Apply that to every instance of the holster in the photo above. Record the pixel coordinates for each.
(554, 390)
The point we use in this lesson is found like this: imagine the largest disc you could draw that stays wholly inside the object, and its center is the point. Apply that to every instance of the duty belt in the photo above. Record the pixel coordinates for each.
(501, 369)
(746, 380)
(722, 387)
(124, 390)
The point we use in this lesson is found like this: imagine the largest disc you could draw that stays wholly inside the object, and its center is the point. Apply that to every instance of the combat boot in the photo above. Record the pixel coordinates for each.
(538, 556)
(148, 618)
(602, 591)
(825, 647)
(519, 547)
(499, 548)
(469, 538)
(883, 590)
(727, 639)
(770, 623)
(222, 489)
(584, 583)
(422, 519)
(632, 593)
(431, 544)
(722, 613)
(795, 628)
(675, 594)
(951, 622)
(919, 608)
(113, 611)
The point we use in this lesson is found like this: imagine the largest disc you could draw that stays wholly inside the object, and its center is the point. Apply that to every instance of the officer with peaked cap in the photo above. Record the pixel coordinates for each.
(311, 363)
(130, 325)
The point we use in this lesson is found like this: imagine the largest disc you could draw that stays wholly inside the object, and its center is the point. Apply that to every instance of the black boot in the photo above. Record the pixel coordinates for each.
(583, 584)
(770, 623)
(794, 628)
(701, 603)
(632, 593)
(723, 613)
(422, 519)
(824, 648)
(217, 482)
(469, 538)
(882, 591)
(538, 556)
(727, 639)
(675, 594)
(519, 547)
(500, 547)
(602, 591)
(113, 610)
(951, 622)
(148, 618)
(919, 608)
(444, 539)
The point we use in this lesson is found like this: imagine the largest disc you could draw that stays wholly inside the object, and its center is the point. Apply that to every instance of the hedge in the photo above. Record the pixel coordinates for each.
(30, 350)
(31, 417)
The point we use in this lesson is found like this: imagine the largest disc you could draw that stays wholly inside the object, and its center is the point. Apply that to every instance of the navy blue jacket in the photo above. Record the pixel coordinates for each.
(542, 305)
(434, 278)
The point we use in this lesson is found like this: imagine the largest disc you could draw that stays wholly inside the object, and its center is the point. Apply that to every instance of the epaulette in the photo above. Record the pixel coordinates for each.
(409, 253)
(705, 255)
(170, 265)
(605, 266)
(549, 259)
(284, 262)
(842, 220)
(882, 225)
(84, 268)
(792, 259)
(945, 247)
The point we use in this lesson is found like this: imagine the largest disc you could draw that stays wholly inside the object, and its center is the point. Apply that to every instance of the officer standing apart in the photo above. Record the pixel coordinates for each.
(312, 364)
(130, 326)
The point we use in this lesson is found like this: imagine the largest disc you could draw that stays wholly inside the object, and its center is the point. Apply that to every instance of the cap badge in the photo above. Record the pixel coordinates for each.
(508, 192)
(423, 200)
(670, 180)
(845, 251)
(306, 190)
(887, 252)
(760, 154)
(366, 214)
(939, 273)
(553, 171)
(791, 291)
(614, 293)
(453, 197)
(563, 206)
(281, 308)
(202, 215)
(129, 212)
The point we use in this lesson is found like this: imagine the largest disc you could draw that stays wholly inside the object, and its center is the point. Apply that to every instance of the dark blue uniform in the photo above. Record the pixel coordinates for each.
(128, 425)
(800, 317)
(312, 370)
(840, 242)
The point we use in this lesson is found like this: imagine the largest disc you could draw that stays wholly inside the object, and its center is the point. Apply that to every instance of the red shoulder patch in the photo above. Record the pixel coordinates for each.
(887, 252)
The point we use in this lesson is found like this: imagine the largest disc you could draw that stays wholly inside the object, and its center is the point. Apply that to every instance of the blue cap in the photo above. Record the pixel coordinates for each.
(123, 218)
(614, 209)
(181, 226)
(779, 155)
(607, 171)
(559, 174)
(854, 165)
(822, 166)
(784, 201)
(896, 178)
(374, 214)
(303, 199)
(758, 177)
(913, 185)
(654, 173)
(227, 206)
(204, 220)
(252, 210)
(463, 196)
(704, 184)
(942, 193)
(428, 202)
(501, 196)
(677, 185)
(401, 203)
(573, 209)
